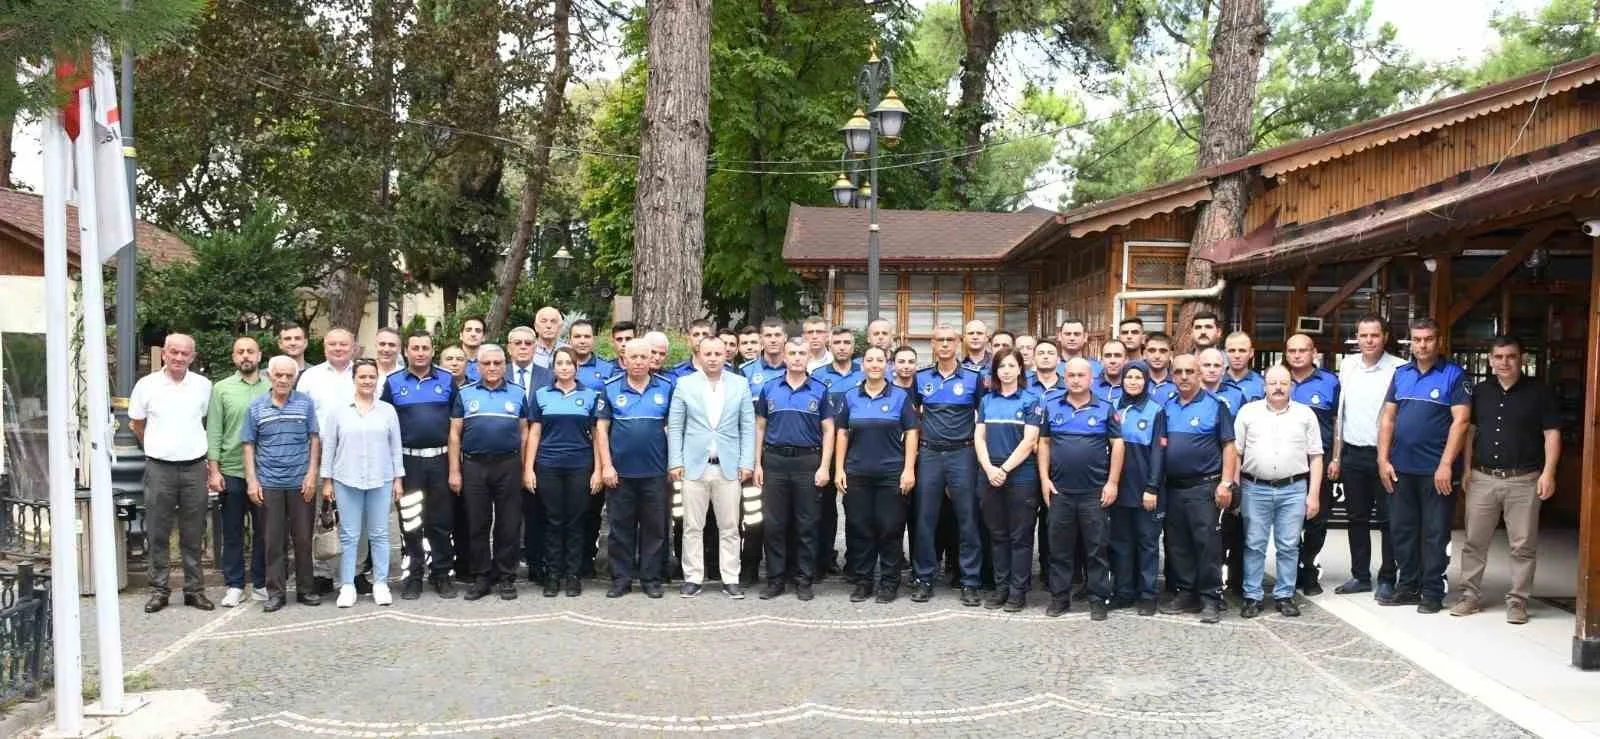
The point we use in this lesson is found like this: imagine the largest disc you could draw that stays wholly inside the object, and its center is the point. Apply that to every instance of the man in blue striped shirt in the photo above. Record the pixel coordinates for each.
(281, 450)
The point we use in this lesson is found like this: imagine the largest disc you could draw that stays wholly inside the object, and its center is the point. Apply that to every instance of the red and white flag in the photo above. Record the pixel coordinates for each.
(114, 217)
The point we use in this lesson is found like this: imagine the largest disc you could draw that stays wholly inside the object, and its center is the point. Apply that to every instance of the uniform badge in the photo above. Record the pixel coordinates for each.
(1194, 422)
(1143, 425)
(885, 407)
(1316, 398)
(927, 388)
(437, 390)
(661, 399)
(757, 378)
(511, 407)
(1093, 421)
(1434, 393)
(622, 400)
(472, 406)
(1019, 414)
(811, 405)
(578, 402)
(1058, 418)
(404, 391)
(957, 389)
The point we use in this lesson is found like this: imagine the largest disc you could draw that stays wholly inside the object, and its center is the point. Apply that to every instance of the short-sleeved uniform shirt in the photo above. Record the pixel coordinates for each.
(1197, 431)
(1161, 391)
(836, 381)
(638, 433)
(1230, 396)
(1107, 389)
(594, 371)
(949, 404)
(491, 418)
(1319, 392)
(794, 414)
(1144, 426)
(282, 438)
(423, 406)
(1080, 443)
(1005, 418)
(1422, 418)
(1039, 389)
(1252, 386)
(759, 373)
(877, 426)
(1095, 368)
(566, 426)
(680, 370)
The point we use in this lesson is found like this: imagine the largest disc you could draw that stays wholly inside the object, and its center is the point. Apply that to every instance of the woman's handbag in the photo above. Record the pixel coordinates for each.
(325, 538)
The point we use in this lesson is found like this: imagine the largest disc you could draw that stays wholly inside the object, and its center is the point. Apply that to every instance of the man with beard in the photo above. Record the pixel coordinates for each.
(225, 474)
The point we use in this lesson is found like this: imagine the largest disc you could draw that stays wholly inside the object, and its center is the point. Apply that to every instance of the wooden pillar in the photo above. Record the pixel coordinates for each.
(1297, 301)
(1586, 639)
(1441, 297)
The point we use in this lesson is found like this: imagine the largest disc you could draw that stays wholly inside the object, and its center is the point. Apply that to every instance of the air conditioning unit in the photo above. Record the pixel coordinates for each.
(1308, 325)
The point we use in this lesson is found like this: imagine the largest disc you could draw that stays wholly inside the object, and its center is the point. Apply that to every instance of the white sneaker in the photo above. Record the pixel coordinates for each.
(380, 594)
(258, 594)
(347, 596)
(232, 597)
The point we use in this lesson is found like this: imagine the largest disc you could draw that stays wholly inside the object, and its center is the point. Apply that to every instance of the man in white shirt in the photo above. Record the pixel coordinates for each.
(1280, 447)
(711, 432)
(167, 411)
(388, 341)
(331, 386)
(1364, 380)
(815, 331)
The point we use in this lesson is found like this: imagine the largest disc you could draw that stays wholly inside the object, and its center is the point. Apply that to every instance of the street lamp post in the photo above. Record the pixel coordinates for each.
(863, 134)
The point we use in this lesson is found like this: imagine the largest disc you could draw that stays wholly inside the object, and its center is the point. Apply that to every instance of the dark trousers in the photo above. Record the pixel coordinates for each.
(591, 532)
(286, 518)
(175, 493)
(235, 506)
(1194, 535)
(1420, 523)
(1074, 516)
(1362, 492)
(461, 536)
(874, 503)
(1009, 512)
(1312, 536)
(428, 546)
(1135, 552)
(828, 529)
(492, 487)
(789, 503)
(533, 536)
(1232, 535)
(638, 516)
(565, 494)
(938, 472)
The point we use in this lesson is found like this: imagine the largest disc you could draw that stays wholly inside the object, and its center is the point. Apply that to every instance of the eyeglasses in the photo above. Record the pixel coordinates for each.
(365, 362)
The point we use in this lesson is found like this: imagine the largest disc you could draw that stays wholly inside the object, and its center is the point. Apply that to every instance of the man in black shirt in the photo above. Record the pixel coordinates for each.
(1513, 446)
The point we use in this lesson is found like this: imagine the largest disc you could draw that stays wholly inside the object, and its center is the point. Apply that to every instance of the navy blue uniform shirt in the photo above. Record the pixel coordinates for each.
(759, 373)
(1080, 443)
(566, 426)
(1030, 382)
(836, 381)
(877, 426)
(1320, 391)
(680, 370)
(1422, 414)
(1196, 433)
(1253, 386)
(594, 372)
(491, 418)
(1231, 396)
(949, 404)
(1106, 390)
(1144, 425)
(1161, 391)
(1004, 419)
(1095, 368)
(794, 414)
(422, 405)
(638, 425)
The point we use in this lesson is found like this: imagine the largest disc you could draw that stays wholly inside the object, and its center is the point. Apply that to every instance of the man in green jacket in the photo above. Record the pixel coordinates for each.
(230, 401)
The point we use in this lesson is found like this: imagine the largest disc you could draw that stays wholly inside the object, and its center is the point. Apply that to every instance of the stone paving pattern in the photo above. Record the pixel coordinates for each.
(590, 666)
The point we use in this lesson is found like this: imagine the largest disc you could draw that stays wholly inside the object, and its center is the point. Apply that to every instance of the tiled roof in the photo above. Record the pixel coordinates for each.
(23, 215)
(826, 236)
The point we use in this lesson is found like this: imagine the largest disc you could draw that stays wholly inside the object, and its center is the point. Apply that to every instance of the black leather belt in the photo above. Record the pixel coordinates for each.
(946, 446)
(178, 462)
(784, 450)
(491, 457)
(1506, 472)
(1281, 482)
(1189, 482)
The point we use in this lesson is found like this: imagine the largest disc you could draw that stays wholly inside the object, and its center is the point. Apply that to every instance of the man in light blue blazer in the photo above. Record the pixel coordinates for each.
(711, 450)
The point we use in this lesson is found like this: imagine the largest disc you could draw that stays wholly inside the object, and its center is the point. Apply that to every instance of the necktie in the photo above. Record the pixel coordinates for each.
(522, 376)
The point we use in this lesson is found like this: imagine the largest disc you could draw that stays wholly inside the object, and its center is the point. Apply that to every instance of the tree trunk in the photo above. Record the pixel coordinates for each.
(669, 202)
(555, 96)
(347, 299)
(980, 24)
(1236, 50)
(8, 73)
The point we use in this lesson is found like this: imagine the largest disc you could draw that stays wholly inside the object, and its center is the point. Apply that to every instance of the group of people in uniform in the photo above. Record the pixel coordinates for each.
(997, 457)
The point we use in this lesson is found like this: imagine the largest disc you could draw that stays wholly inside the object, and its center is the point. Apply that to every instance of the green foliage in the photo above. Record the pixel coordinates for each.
(239, 282)
(1561, 31)
(38, 32)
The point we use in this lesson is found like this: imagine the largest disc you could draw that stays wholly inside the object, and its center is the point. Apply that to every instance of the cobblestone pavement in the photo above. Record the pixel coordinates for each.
(592, 666)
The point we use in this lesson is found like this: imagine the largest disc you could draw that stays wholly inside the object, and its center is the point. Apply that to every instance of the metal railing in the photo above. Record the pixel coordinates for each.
(25, 648)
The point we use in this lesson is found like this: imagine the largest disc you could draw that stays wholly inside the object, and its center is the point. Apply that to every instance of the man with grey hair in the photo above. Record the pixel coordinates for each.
(1280, 449)
(547, 324)
(524, 371)
(630, 439)
(331, 386)
(167, 411)
(281, 454)
(659, 346)
(522, 365)
(488, 429)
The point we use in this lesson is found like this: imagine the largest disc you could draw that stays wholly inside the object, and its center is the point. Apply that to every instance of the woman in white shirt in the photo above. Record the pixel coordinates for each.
(362, 470)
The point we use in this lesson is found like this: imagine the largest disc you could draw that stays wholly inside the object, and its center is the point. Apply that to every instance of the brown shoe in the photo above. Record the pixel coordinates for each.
(1466, 605)
(1516, 612)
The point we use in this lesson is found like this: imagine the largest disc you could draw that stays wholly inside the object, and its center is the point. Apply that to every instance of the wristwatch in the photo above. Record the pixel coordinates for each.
(1233, 487)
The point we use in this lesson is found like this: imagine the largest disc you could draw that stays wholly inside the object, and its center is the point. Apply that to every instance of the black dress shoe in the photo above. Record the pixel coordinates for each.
(1015, 604)
(198, 600)
(552, 587)
(1183, 603)
(478, 590)
(1401, 598)
(1430, 605)
(411, 588)
(444, 586)
(1147, 606)
(619, 589)
(921, 592)
(322, 585)
(1311, 588)
(1118, 604)
(1210, 612)
(1057, 607)
(274, 604)
(157, 602)
(887, 593)
(653, 590)
(1287, 607)
(996, 600)
(1097, 609)
(308, 599)
(363, 584)
(773, 590)
(574, 587)
(804, 592)
(1251, 608)
(862, 592)
(508, 590)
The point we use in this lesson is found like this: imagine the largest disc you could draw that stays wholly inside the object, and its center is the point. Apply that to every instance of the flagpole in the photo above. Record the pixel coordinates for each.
(63, 503)
(128, 257)
(102, 516)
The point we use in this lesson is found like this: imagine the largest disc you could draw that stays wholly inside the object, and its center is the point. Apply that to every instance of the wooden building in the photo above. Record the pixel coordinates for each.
(1481, 210)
